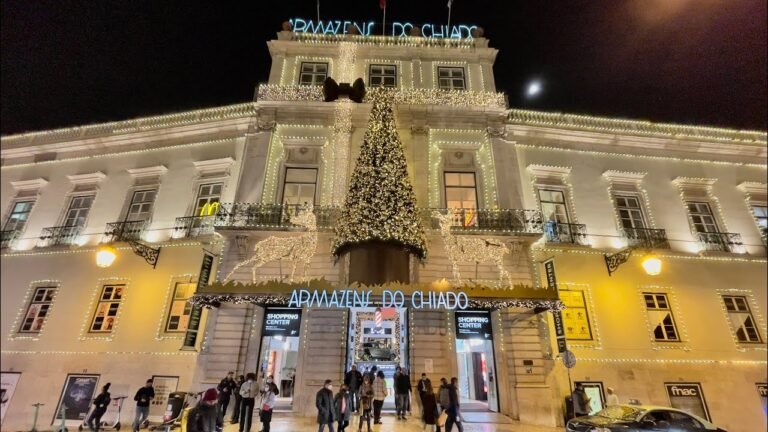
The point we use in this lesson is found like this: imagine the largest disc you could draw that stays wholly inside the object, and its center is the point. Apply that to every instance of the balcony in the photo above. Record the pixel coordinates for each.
(9, 238)
(646, 238)
(566, 233)
(721, 242)
(59, 235)
(124, 231)
(493, 221)
(270, 216)
(193, 226)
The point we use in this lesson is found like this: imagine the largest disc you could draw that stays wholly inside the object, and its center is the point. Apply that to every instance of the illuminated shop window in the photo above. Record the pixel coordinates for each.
(660, 317)
(37, 310)
(382, 76)
(741, 319)
(313, 73)
(105, 315)
(178, 314)
(451, 78)
(19, 215)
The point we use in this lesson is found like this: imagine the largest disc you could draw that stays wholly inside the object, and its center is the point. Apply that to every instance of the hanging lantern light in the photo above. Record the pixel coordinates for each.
(652, 264)
(105, 256)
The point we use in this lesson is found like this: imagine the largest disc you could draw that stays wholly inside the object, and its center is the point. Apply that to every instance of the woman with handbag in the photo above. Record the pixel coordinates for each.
(366, 402)
(268, 399)
(430, 411)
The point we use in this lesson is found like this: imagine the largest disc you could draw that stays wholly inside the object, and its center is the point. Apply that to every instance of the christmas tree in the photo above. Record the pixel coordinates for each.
(380, 205)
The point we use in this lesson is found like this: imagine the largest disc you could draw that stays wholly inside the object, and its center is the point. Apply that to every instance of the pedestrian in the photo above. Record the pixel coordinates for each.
(324, 404)
(430, 411)
(142, 398)
(373, 374)
(612, 399)
(402, 390)
(205, 416)
(226, 387)
(342, 407)
(421, 387)
(443, 394)
(454, 407)
(366, 402)
(379, 394)
(353, 379)
(248, 392)
(268, 399)
(238, 399)
(100, 403)
(580, 401)
(410, 391)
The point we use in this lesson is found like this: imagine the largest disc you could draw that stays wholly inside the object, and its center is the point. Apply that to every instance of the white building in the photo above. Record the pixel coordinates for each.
(601, 183)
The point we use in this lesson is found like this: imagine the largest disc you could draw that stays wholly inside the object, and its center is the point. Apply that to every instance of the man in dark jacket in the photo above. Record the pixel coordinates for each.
(143, 398)
(402, 390)
(204, 416)
(238, 399)
(454, 413)
(353, 380)
(226, 387)
(101, 403)
(325, 407)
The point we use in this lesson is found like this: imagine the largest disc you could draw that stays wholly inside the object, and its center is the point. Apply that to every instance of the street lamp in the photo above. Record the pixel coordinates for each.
(651, 263)
(106, 254)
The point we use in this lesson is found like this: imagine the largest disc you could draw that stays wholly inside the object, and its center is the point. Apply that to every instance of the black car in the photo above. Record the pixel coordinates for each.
(640, 418)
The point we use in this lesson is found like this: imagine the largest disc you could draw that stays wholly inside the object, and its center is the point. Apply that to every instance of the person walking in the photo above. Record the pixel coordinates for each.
(324, 404)
(205, 416)
(142, 398)
(373, 374)
(353, 379)
(366, 402)
(454, 407)
(225, 388)
(580, 401)
(248, 392)
(238, 399)
(342, 407)
(429, 410)
(612, 398)
(100, 403)
(268, 400)
(421, 387)
(402, 390)
(379, 394)
(443, 394)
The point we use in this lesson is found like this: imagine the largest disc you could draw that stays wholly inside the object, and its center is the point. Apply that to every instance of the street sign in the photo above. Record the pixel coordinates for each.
(549, 270)
(569, 359)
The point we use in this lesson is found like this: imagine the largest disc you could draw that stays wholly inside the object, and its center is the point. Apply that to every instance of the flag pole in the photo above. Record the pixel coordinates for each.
(449, 16)
(384, 21)
(318, 11)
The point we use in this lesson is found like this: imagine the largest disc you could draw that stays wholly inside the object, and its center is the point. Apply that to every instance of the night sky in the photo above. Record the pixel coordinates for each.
(68, 63)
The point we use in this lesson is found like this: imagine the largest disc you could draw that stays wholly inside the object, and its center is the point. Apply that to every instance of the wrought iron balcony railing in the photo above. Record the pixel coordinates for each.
(8, 238)
(124, 231)
(193, 226)
(488, 220)
(270, 216)
(721, 242)
(646, 238)
(566, 233)
(59, 235)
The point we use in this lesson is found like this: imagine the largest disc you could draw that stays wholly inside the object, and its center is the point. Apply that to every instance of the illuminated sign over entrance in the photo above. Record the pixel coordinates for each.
(282, 322)
(398, 29)
(474, 325)
(348, 298)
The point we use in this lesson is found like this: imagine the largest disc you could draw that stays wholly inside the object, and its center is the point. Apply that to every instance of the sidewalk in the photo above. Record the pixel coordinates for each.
(288, 422)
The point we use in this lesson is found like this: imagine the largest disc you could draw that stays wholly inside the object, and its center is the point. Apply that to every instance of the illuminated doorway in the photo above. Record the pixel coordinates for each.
(279, 352)
(478, 388)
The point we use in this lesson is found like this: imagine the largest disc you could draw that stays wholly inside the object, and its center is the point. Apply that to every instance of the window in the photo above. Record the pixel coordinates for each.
(451, 78)
(105, 315)
(299, 187)
(553, 206)
(630, 211)
(741, 318)
(79, 207)
(660, 317)
(313, 73)
(460, 190)
(178, 315)
(19, 215)
(382, 76)
(208, 198)
(761, 214)
(575, 316)
(703, 219)
(141, 205)
(38, 308)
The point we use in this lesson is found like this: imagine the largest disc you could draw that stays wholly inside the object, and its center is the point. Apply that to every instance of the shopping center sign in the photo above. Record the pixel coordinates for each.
(397, 29)
(349, 298)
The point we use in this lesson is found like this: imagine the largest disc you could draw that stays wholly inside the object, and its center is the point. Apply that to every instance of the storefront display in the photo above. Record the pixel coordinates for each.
(688, 397)
(77, 394)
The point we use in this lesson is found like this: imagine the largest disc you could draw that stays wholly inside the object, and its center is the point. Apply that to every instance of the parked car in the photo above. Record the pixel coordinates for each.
(640, 418)
(374, 351)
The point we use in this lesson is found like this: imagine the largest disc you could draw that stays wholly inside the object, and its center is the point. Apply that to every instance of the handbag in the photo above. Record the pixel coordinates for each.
(442, 419)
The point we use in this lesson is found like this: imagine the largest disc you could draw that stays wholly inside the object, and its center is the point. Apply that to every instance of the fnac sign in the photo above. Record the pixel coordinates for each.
(209, 209)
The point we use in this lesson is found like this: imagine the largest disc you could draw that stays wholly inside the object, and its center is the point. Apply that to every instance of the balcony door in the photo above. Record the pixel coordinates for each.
(553, 206)
(141, 205)
(702, 217)
(630, 212)
(300, 186)
(79, 207)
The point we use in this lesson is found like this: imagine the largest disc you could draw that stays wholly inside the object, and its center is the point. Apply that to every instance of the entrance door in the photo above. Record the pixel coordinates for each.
(279, 352)
(475, 359)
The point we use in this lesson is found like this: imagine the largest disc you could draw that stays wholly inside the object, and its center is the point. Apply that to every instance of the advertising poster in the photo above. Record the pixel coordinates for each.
(687, 397)
(79, 390)
(575, 317)
(8, 381)
(164, 386)
(282, 322)
(473, 325)
(762, 390)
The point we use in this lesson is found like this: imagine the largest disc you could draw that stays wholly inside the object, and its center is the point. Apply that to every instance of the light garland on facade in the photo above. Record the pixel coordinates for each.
(673, 361)
(86, 249)
(683, 342)
(597, 342)
(585, 251)
(91, 353)
(94, 302)
(342, 132)
(750, 189)
(753, 306)
(371, 40)
(613, 177)
(297, 66)
(462, 64)
(567, 188)
(14, 333)
(165, 311)
(701, 184)
(401, 83)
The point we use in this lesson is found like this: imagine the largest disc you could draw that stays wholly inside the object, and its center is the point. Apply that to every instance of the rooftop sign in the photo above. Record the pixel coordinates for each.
(398, 29)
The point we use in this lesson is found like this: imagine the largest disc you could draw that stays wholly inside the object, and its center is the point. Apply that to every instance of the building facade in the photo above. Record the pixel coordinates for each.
(260, 186)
